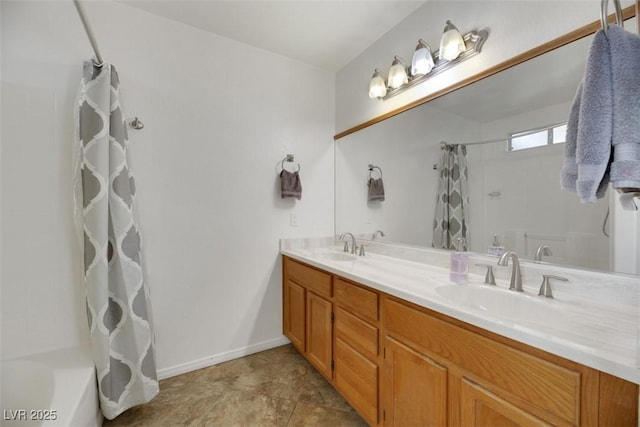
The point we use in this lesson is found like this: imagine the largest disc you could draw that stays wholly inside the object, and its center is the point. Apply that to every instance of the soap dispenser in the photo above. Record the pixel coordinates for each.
(495, 248)
(459, 262)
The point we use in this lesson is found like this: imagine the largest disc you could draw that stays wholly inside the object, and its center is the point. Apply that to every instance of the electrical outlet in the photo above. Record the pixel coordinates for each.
(293, 219)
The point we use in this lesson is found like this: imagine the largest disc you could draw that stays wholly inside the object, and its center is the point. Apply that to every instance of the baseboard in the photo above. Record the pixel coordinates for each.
(222, 357)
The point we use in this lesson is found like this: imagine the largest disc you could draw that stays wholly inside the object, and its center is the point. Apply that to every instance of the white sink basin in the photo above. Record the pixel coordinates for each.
(335, 256)
(516, 307)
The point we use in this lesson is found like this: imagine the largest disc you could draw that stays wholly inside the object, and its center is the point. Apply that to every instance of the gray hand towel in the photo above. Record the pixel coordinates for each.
(593, 127)
(376, 190)
(625, 66)
(290, 185)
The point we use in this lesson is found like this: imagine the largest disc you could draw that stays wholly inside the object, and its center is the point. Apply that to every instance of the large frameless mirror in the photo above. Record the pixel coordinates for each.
(513, 183)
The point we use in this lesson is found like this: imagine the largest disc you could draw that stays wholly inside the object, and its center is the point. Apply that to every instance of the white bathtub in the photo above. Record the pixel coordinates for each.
(57, 388)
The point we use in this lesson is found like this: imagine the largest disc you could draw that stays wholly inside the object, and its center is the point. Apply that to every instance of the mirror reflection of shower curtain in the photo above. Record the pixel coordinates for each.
(452, 205)
(117, 297)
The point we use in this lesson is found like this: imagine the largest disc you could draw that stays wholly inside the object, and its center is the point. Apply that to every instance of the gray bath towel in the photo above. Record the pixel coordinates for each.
(592, 126)
(569, 173)
(625, 66)
(376, 190)
(290, 185)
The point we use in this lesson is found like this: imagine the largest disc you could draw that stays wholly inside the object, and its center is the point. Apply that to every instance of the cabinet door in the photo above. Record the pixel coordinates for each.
(319, 333)
(294, 314)
(357, 378)
(479, 407)
(415, 388)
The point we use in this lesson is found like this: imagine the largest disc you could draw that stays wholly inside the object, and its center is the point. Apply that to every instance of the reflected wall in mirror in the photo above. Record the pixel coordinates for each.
(514, 195)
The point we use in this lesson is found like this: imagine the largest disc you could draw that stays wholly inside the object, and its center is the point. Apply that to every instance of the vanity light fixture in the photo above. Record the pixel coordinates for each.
(422, 61)
(398, 73)
(377, 86)
(426, 64)
(451, 43)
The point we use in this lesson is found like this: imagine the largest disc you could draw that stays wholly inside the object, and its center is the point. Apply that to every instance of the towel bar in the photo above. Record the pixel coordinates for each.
(604, 4)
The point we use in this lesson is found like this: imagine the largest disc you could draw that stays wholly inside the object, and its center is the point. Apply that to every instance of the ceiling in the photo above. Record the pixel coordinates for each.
(324, 33)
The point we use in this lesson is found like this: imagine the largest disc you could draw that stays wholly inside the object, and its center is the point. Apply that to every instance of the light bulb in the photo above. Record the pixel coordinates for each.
(377, 86)
(397, 73)
(451, 43)
(422, 61)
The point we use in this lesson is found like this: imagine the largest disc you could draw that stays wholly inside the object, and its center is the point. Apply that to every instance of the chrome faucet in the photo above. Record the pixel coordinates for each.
(346, 244)
(376, 234)
(542, 250)
(516, 274)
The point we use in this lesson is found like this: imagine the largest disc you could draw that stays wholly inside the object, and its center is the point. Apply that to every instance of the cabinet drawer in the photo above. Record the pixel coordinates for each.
(309, 277)
(527, 379)
(357, 333)
(358, 300)
(357, 378)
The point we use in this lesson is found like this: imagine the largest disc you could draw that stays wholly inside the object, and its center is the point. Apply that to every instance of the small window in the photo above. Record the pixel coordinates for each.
(559, 134)
(554, 134)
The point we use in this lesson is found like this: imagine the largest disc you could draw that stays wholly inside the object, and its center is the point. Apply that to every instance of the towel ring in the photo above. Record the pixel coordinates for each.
(604, 5)
(289, 158)
(372, 167)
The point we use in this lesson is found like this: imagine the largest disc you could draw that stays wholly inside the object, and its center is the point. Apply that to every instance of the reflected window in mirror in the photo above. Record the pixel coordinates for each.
(554, 134)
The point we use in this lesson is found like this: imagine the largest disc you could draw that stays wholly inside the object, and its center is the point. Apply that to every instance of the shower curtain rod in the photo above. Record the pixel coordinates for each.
(89, 31)
(443, 144)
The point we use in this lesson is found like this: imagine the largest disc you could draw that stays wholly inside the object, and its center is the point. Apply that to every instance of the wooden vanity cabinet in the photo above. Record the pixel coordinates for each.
(335, 324)
(484, 379)
(400, 364)
(308, 313)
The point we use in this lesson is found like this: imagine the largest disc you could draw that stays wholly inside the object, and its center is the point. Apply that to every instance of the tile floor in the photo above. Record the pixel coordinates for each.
(276, 387)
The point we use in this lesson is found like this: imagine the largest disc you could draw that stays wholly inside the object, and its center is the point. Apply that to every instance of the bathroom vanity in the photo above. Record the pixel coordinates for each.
(404, 355)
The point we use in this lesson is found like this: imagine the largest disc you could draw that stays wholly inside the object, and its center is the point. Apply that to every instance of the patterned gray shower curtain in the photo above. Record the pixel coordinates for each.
(116, 292)
(452, 206)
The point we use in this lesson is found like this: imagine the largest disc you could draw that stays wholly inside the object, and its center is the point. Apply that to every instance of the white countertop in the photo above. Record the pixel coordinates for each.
(603, 336)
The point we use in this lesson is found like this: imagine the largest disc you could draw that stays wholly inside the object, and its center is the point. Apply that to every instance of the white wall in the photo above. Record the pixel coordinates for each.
(625, 243)
(515, 27)
(219, 116)
(406, 148)
(532, 210)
